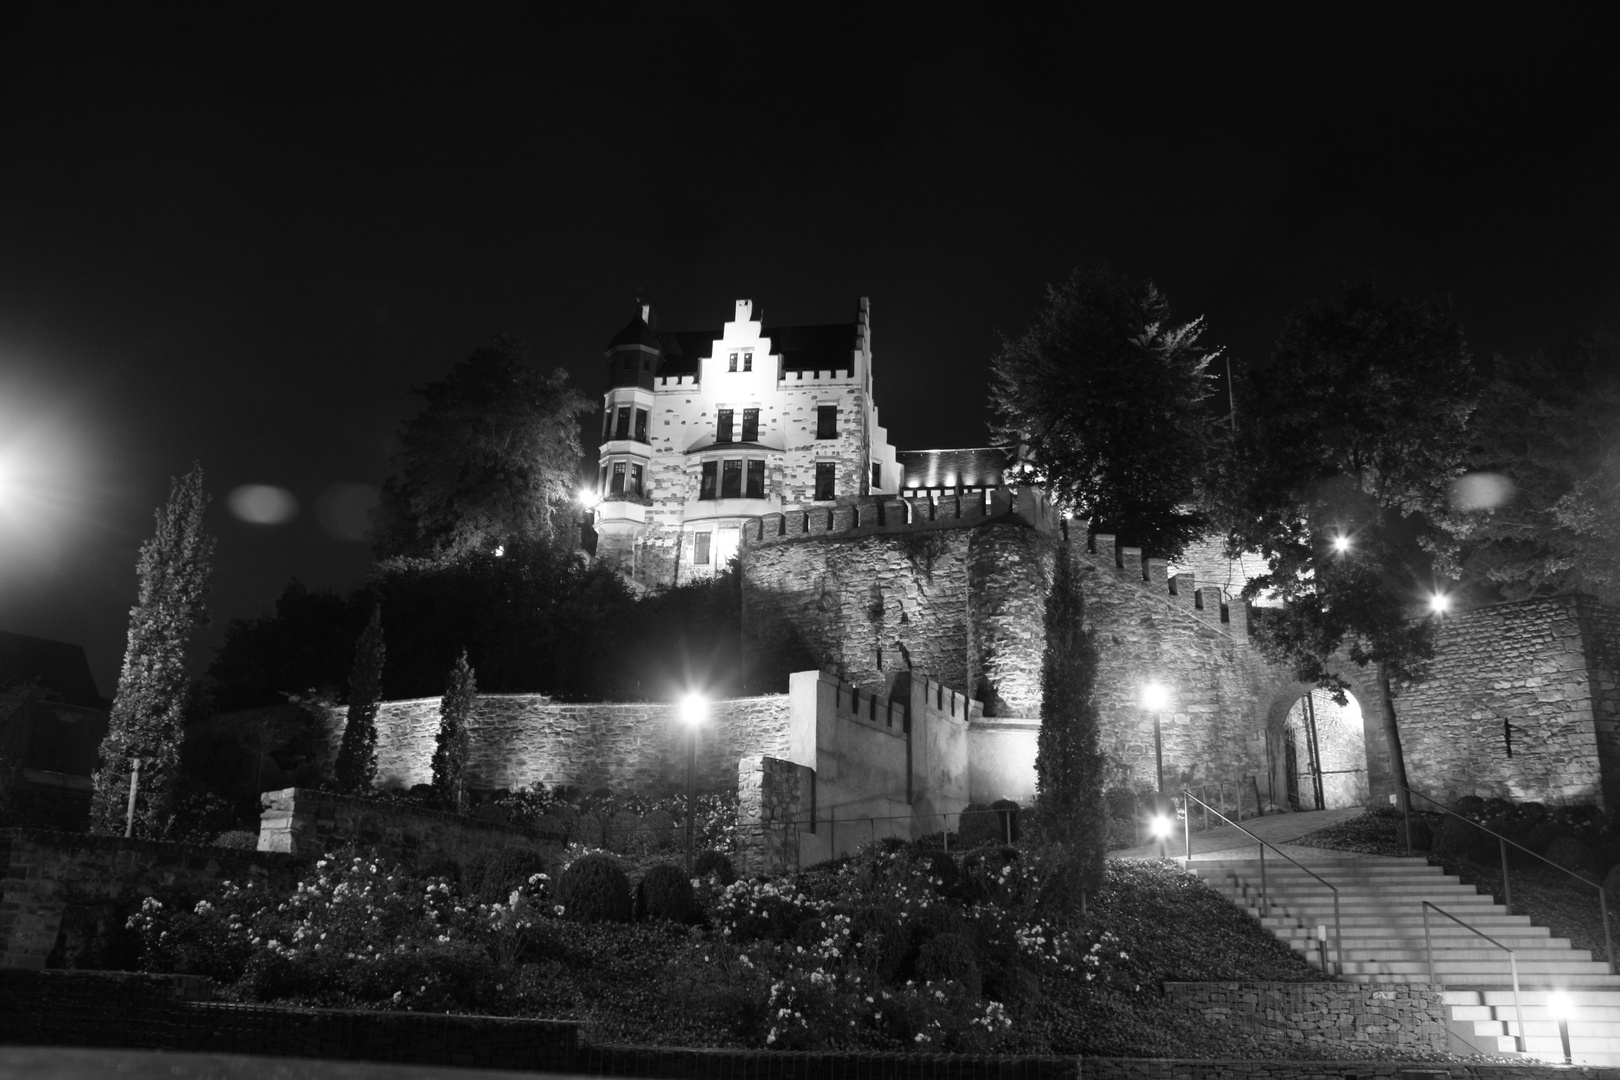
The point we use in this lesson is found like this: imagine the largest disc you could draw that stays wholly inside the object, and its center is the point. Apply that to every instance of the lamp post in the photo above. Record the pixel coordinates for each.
(1559, 1004)
(694, 708)
(1155, 696)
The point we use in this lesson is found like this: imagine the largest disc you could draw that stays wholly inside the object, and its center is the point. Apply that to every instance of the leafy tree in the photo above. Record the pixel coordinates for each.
(487, 463)
(1537, 515)
(1068, 763)
(450, 750)
(1347, 451)
(148, 712)
(305, 646)
(357, 757)
(1108, 395)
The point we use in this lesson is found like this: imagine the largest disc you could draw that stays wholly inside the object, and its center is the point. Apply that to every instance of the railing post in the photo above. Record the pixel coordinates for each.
(1608, 942)
(1265, 896)
(1518, 1010)
(1406, 817)
(1186, 800)
(945, 831)
(1338, 937)
(1428, 945)
(1507, 886)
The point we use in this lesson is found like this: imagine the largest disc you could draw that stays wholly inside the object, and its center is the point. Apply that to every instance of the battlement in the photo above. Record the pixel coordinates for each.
(688, 381)
(886, 514)
(1209, 604)
(825, 376)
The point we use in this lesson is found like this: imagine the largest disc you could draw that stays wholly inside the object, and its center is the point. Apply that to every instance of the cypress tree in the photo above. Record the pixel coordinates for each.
(356, 769)
(450, 753)
(1068, 764)
(148, 713)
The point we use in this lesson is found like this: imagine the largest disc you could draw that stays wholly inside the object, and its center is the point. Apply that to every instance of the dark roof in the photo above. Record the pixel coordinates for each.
(635, 332)
(684, 350)
(56, 665)
(814, 348)
(980, 466)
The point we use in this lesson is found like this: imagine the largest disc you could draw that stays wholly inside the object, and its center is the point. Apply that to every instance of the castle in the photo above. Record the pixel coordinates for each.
(878, 564)
(907, 589)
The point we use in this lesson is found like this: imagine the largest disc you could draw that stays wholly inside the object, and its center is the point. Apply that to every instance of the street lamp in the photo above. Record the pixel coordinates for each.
(1341, 543)
(1562, 1009)
(1439, 603)
(1161, 828)
(694, 710)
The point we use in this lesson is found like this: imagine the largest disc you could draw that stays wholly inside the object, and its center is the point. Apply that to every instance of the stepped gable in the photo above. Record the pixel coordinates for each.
(1208, 605)
(890, 514)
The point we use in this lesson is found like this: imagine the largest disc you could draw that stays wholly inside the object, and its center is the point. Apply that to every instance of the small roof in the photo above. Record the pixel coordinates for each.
(635, 332)
(56, 665)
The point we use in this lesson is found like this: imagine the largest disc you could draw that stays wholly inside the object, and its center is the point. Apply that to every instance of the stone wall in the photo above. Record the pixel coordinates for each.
(1400, 1016)
(303, 821)
(1001, 759)
(774, 798)
(60, 887)
(1524, 663)
(517, 740)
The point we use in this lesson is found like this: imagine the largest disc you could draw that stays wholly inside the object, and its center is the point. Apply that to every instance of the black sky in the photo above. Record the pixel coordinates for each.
(240, 233)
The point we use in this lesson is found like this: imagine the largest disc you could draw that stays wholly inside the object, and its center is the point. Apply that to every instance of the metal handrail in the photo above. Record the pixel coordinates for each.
(1507, 887)
(1513, 961)
(1338, 928)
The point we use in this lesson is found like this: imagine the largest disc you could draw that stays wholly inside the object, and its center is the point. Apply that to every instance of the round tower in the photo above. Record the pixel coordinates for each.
(625, 454)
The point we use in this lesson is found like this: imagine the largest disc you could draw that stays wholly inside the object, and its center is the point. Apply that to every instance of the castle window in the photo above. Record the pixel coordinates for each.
(618, 479)
(700, 549)
(826, 421)
(733, 367)
(641, 425)
(750, 425)
(622, 430)
(825, 471)
(756, 479)
(633, 488)
(731, 480)
(723, 429)
(706, 483)
(748, 361)
(877, 476)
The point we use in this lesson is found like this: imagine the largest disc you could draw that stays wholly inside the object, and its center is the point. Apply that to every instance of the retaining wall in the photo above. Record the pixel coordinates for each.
(1394, 1015)
(304, 821)
(57, 886)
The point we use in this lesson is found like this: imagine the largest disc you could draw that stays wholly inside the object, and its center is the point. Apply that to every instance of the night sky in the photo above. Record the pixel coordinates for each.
(240, 233)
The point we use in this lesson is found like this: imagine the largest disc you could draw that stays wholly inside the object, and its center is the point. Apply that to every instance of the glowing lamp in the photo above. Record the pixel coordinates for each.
(1155, 696)
(1160, 827)
(1439, 603)
(1341, 544)
(694, 709)
(588, 498)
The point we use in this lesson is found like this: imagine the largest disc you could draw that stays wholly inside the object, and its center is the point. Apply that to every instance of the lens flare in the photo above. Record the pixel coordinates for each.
(262, 504)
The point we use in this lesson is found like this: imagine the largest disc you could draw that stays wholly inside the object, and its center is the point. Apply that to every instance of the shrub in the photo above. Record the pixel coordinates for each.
(490, 876)
(1611, 885)
(1605, 855)
(1496, 807)
(1459, 840)
(237, 838)
(1570, 854)
(979, 825)
(665, 893)
(622, 832)
(879, 941)
(1422, 834)
(715, 864)
(937, 919)
(762, 910)
(1531, 813)
(1470, 806)
(594, 889)
(950, 956)
(1542, 836)
(942, 871)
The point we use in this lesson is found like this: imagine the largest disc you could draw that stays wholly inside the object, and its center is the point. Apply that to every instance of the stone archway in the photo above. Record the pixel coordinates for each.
(1346, 754)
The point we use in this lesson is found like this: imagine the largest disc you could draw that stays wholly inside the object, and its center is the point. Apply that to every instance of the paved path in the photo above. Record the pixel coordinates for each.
(1277, 829)
(64, 1063)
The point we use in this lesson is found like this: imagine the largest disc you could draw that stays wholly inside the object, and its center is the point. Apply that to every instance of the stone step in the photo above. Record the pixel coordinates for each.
(1443, 955)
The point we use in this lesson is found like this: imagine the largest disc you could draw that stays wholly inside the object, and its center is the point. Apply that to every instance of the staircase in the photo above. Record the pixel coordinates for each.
(1380, 905)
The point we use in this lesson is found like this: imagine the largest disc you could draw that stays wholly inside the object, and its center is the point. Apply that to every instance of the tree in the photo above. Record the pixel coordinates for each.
(1345, 458)
(1537, 513)
(357, 757)
(305, 646)
(1068, 763)
(488, 462)
(450, 750)
(148, 712)
(1108, 395)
